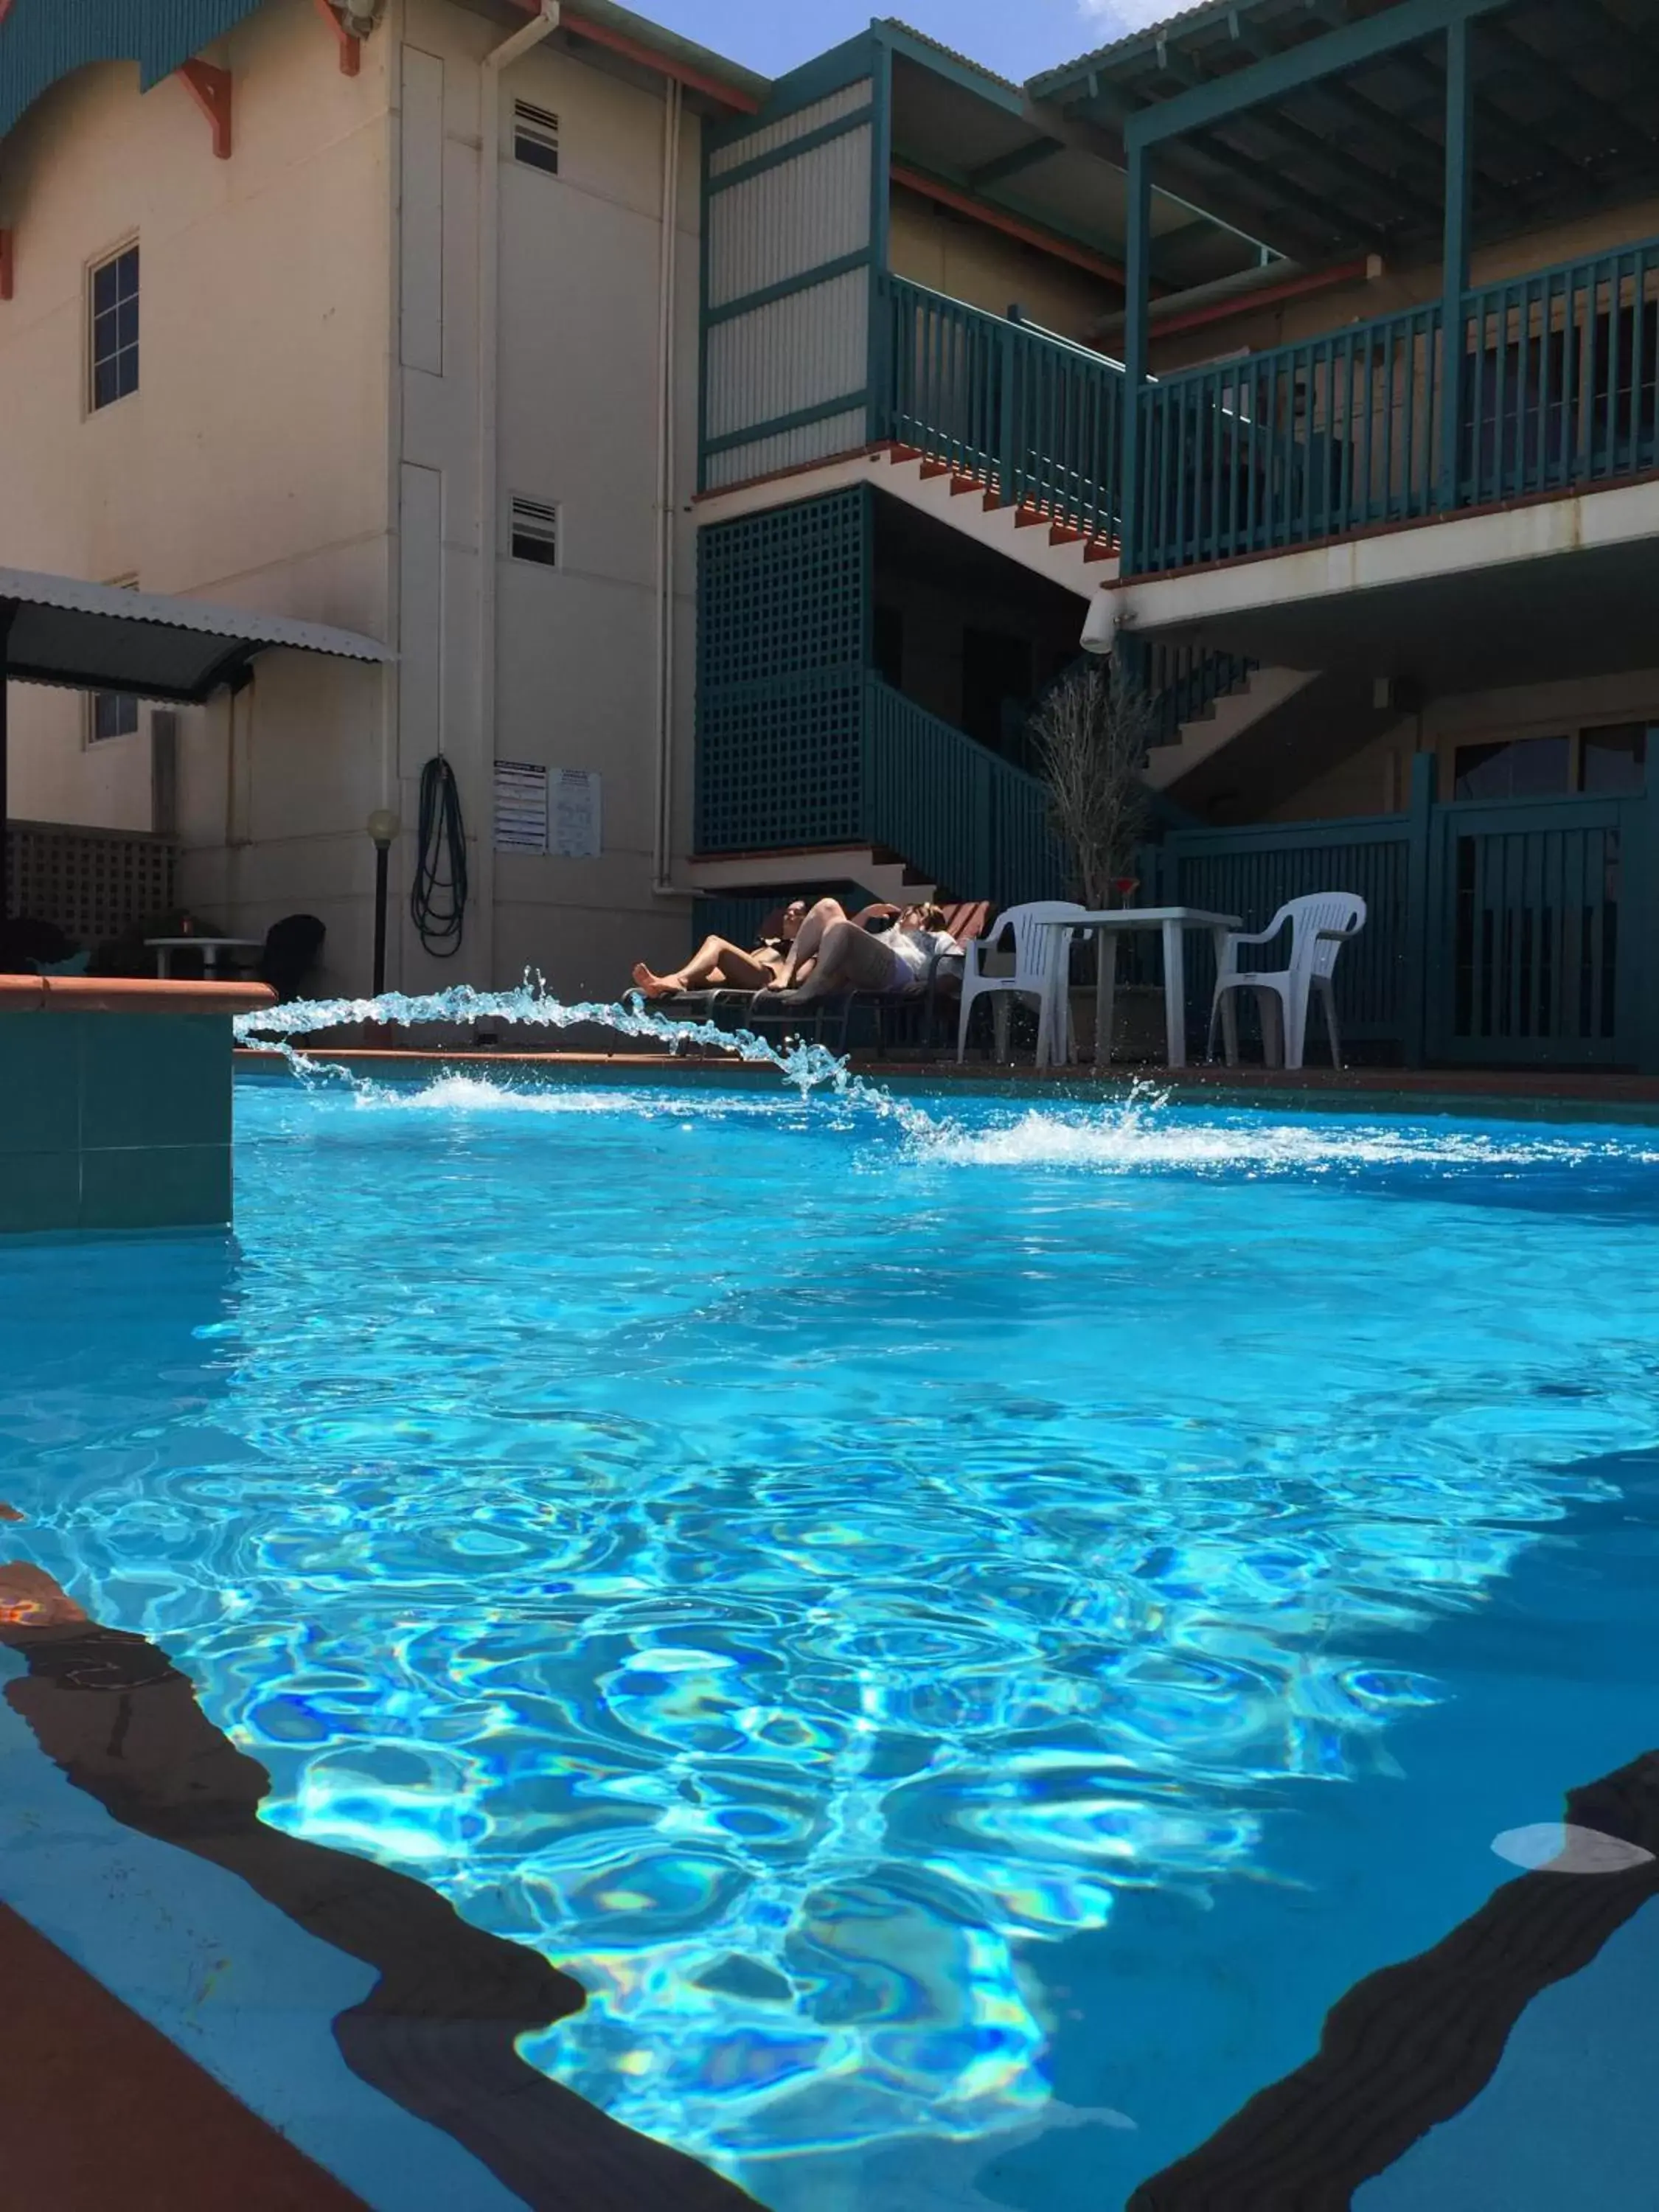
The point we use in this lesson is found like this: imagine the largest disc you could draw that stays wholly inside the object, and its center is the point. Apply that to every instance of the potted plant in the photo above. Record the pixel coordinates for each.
(1090, 734)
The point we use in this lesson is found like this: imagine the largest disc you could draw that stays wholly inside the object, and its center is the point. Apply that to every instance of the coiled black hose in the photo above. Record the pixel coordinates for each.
(437, 898)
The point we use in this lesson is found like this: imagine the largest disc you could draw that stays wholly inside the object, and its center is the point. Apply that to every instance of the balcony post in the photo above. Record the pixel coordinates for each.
(1460, 123)
(1137, 286)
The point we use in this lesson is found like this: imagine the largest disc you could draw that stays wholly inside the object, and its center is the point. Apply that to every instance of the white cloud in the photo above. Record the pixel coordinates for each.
(1130, 14)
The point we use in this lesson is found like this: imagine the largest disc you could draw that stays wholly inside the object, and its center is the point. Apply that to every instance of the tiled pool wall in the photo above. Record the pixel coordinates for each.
(1532, 1096)
(115, 1103)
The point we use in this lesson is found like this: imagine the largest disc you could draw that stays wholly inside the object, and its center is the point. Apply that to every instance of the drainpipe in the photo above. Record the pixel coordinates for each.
(490, 278)
(663, 845)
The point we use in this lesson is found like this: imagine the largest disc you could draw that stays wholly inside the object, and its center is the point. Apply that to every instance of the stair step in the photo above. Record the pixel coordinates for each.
(1029, 518)
(1060, 534)
(935, 469)
(1099, 548)
(897, 454)
(959, 484)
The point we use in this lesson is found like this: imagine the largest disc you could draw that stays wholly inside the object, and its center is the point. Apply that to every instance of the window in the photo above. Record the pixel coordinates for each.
(1525, 767)
(535, 137)
(1613, 761)
(114, 328)
(535, 532)
(114, 714)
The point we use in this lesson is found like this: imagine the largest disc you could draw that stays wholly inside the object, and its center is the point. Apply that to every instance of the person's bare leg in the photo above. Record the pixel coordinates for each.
(849, 959)
(714, 961)
(804, 952)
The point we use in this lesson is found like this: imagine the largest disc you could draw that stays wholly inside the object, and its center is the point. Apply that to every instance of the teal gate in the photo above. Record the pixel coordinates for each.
(1535, 936)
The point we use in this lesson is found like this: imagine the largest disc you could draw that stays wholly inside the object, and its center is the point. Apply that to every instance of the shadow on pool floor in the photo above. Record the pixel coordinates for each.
(1416, 2045)
(437, 2033)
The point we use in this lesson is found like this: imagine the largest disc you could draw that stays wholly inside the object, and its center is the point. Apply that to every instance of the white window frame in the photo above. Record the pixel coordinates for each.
(89, 319)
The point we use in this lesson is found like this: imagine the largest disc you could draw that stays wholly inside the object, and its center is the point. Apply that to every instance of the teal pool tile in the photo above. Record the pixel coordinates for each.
(155, 1080)
(155, 1186)
(40, 1083)
(38, 1191)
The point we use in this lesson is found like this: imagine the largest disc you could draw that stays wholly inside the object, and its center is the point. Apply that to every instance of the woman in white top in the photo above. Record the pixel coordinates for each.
(833, 954)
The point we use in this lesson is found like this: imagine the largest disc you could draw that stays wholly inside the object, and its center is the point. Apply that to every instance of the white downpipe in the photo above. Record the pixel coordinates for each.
(489, 285)
(663, 845)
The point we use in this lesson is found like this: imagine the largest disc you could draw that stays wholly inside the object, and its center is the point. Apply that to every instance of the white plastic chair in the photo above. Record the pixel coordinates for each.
(1320, 925)
(1041, 956)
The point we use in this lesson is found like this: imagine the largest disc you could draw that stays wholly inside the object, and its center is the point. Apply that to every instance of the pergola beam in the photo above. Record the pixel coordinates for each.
(1305, 63)
(1013, 164)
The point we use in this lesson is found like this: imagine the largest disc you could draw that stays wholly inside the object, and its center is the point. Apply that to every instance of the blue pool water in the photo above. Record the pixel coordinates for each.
(967, 1632)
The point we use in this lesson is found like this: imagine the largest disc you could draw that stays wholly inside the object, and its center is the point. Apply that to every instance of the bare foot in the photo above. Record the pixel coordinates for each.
(10, 1513)
(655, 987)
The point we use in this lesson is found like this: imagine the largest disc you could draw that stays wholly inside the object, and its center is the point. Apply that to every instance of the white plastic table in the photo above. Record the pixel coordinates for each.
(1173, 922)
(211, 948)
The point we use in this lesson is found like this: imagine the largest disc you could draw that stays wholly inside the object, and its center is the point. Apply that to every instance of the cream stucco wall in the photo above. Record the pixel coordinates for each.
(971, 261)
(574, 673)
(306, 440)
(250, 466)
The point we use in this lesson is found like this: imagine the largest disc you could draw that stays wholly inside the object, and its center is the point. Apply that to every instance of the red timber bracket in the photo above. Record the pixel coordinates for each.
(8, 263)
(351, 47)
(209, 87)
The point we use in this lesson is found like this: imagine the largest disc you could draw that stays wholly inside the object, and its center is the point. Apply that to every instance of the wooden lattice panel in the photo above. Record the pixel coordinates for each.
(783, 641)
(93, 884)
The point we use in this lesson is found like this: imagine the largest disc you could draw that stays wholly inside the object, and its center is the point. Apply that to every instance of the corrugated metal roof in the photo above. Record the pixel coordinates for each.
(102, 637)
(951, 54)
(41, 40)
(1148, 38)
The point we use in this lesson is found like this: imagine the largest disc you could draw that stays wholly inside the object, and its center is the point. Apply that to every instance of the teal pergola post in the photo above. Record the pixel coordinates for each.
(1137, 283)
(1460, 123)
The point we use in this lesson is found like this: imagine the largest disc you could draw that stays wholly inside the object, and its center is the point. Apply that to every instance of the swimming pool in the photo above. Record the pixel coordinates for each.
(966, 1632)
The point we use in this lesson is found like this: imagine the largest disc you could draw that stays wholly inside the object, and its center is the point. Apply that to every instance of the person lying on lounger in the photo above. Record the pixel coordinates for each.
(718, 965)
(833, 954)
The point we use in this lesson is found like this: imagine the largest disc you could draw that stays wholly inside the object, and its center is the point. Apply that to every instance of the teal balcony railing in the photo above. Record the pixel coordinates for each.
(1033, 417)
(974, 823)
(1348, 431)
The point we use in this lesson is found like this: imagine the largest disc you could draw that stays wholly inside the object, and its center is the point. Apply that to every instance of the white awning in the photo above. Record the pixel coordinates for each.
(99, 637)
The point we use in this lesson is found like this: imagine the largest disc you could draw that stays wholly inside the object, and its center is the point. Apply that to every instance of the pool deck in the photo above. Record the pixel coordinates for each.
(1566, 1093)
(97, 2104)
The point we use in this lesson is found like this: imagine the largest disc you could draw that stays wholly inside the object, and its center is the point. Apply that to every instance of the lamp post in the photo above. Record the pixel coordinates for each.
(383, 827)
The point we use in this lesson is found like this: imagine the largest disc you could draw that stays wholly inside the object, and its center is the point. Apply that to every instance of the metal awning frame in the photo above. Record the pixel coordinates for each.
(113, 620)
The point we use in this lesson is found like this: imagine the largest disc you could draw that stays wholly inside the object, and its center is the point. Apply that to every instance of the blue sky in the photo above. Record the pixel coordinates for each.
(1018, 38)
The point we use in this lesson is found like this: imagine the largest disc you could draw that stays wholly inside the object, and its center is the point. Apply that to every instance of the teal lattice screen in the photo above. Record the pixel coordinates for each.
(783, 628)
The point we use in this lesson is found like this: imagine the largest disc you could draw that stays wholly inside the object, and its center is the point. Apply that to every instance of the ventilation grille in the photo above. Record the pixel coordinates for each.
(535, 532)
(536, 136)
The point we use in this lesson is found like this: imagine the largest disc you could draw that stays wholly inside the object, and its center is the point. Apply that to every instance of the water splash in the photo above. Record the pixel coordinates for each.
(808, 1068)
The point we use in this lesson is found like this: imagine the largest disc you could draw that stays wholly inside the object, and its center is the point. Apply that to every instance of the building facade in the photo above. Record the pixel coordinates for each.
(467, 233)
(733, 465)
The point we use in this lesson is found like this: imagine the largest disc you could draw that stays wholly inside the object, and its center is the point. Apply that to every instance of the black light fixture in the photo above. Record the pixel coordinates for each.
(383, 827)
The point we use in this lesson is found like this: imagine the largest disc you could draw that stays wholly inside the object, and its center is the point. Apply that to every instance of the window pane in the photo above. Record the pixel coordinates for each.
(114, 714)
(527, 548)
(537, 155)
(126, 372)
(1526, 768)
(103, 286)
(104, 385)
(1615, 760)
(126, 323)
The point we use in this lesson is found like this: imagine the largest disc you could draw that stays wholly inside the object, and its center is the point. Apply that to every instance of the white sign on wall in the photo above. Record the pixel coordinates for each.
(578, 826)
(520, 807)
